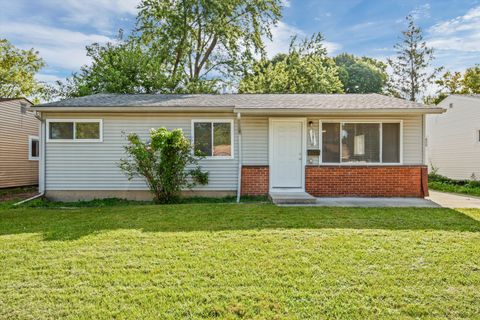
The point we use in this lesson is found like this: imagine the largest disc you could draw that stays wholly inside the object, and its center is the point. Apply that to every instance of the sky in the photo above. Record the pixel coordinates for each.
(60, 29)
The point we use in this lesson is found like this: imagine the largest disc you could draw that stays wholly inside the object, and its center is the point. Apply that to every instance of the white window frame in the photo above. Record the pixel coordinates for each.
(343, 121)
(74, 121)
(30, 139)
(232, 128)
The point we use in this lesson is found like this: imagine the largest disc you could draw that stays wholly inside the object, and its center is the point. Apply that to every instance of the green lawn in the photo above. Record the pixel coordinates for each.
(453, 188)
(234, 261)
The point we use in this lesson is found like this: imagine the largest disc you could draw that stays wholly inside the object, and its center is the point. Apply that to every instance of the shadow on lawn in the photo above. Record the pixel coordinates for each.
(70, 224)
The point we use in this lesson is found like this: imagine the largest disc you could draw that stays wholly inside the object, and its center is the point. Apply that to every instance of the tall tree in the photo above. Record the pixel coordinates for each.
(305, 69)
(179, 46)
(17, 72)
(361, 75)
(203, 41)
(410, 69)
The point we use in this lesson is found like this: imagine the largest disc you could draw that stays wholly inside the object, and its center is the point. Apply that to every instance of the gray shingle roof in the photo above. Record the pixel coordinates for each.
(242, 101)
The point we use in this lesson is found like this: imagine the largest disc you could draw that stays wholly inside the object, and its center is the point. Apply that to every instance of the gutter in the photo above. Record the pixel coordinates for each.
(313, 111)
(239, 179)
(43, 151)
(29, 199)
(41, 171)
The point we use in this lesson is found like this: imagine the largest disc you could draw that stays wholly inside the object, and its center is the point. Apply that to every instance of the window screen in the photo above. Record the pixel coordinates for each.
(61, 130)
(391, 142)
(213, 139)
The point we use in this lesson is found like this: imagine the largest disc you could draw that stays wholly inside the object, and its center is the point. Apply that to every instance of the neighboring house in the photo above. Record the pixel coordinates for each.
(327, 145)
(453, 138)
(19, 144)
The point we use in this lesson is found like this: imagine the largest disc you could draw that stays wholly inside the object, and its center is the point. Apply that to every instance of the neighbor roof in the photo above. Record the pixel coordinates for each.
(477, 96)
(13, 99)
(240, 101)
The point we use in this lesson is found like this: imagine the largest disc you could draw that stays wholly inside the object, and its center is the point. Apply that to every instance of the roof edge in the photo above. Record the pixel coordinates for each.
(131, 109)
(127, 109)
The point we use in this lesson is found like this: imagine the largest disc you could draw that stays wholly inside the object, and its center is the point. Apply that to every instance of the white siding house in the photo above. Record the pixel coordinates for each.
(277, 143)
(454, 137)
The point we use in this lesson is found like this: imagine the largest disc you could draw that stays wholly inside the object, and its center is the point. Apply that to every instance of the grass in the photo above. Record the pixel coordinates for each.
(454, 188)
(112, 202)
(238, 261)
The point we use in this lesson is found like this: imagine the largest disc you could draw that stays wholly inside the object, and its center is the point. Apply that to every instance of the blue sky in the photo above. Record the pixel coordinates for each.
(60, 29)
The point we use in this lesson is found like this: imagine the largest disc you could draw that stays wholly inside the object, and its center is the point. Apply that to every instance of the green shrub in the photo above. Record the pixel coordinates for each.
(162, 162)
(442, 183)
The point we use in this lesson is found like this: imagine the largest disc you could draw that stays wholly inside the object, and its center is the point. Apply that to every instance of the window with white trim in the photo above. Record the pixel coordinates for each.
(81, 130)
(213, 138)
(361, 142)
(33, 148)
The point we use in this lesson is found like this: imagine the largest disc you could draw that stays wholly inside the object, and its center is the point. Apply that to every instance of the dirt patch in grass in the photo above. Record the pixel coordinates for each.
(20, 193)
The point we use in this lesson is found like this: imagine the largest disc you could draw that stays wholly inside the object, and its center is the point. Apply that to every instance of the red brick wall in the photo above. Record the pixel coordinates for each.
(367, 181)
(255, 180)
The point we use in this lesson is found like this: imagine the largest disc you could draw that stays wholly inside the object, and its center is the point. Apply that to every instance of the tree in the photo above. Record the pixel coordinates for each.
(17, 72)
(121, 67)
(201, 38)
(450, 82)
(305, 69)
(471, 80)
(162, 162)
(457, 83)
(361, 75)
(410, 68)
(185, 46)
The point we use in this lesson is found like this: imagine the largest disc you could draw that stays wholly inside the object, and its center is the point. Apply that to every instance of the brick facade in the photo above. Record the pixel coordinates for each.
(367, 181)
(255, 180)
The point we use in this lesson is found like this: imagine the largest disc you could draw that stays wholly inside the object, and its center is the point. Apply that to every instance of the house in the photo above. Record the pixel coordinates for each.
(322, 144)
(453, 138)
(19, 144)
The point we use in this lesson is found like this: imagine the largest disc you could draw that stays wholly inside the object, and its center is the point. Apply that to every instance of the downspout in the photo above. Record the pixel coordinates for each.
(239, 180)
(42, 165)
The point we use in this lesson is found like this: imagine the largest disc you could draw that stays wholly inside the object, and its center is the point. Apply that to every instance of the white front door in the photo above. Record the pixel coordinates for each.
(286, 154)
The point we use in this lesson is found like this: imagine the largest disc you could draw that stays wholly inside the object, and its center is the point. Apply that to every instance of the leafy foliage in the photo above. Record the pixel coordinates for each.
(121, 67)
(457, 83)
(305, 69)
(17, 72)
(410, 75)
(442, 183)
(361, 75)
(162, 162)
(184, 46)
(197, 38)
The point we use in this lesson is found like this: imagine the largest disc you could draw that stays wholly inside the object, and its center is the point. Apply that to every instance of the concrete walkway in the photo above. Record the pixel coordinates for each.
(435, 200)
(372, 202)
(376, 202)
(451, 200)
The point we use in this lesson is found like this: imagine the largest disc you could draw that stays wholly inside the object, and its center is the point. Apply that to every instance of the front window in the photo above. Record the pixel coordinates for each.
(75, 130)
(213, 138)
(33, 148)
(345, 142)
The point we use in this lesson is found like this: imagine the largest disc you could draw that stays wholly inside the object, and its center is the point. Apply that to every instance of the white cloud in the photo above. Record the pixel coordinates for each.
(282, 35)
(48, 78)
(459, 34)
(99, 14)
(285, 3)
(422, 11)
(60, 48)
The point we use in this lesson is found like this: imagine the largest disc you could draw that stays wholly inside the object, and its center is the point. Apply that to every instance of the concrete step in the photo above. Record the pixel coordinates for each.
(292, 198)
